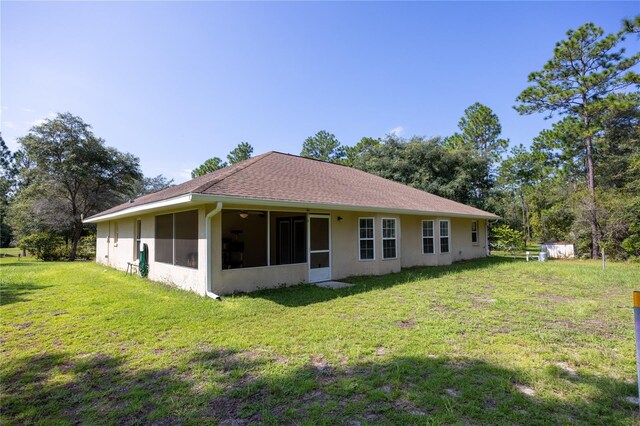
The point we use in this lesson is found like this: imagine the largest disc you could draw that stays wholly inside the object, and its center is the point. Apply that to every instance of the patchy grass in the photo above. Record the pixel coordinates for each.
(491, 341)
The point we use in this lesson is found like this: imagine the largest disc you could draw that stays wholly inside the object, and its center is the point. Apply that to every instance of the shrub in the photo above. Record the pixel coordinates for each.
(508, 239)
(86, 247)
(43, 245)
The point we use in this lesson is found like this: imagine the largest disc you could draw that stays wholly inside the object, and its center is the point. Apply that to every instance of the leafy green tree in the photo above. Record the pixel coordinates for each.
(631, 25)
(519, 174)
(479, 136)
(240, 153)
(427, 165)
(583, 79)
(149, 185)
(68, 173)
(353, 152)
(7, 183)
(507, 239)
(323, 146)
(480, 131)
(211, 165)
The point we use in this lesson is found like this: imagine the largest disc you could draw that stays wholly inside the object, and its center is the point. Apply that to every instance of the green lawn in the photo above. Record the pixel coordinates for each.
(491, 341)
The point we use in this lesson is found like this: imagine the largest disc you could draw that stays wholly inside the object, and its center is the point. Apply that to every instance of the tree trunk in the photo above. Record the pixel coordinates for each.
(593, 219)
(75, 238)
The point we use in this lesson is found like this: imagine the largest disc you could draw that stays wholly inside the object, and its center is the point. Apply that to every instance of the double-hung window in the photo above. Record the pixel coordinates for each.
(428, 237)
(474, 232)
(366, 238)
(444, 236)
(389, 243)
(115, 233)
(138, 238)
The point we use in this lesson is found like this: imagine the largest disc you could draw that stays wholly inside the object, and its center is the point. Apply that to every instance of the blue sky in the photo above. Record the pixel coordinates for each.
(177, 83)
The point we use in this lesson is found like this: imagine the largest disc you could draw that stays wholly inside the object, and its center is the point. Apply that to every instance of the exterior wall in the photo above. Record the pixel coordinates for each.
(344, 250)
(111, 252)
(461, 246)
(118, 255)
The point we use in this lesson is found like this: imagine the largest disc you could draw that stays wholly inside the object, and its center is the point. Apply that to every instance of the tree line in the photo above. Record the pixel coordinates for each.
(579, 180)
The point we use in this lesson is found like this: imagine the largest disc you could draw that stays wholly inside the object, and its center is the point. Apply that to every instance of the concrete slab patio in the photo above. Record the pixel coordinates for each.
(334, 285)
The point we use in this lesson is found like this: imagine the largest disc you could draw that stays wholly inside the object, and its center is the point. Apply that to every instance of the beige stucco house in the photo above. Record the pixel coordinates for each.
(279, 219)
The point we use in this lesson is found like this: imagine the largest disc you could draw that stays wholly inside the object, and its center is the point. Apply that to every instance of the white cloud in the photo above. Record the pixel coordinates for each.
(40, 121)
(184, 174)
(24, 109)
(397, 131)
(36, 122)
(8, 125)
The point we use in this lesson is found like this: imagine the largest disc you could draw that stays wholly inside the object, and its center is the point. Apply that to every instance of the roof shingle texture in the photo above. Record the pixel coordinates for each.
(284, 177)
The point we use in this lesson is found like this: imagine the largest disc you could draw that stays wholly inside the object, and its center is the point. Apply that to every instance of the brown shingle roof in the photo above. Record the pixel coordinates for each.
(275, 176)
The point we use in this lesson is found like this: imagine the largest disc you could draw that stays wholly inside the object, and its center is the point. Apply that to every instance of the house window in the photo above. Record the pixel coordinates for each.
(444, 236)
(474, 232)
(428, 237)
(177, 239)
(389, 239)
(115, 233)
(138, 238)
(366, 238)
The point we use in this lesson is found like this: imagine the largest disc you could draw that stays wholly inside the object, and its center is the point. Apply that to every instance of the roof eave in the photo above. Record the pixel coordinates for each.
(197, 199)
(142, 208)
(342, 207)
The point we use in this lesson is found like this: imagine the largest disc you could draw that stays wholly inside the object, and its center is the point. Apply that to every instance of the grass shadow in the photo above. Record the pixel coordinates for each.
(14, 293)
(306, 294)
(230, 387)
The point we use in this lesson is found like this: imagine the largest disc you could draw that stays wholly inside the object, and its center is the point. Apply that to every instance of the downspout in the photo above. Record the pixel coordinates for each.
(207, 227)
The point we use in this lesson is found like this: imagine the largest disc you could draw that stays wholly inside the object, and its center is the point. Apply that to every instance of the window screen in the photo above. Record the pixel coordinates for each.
(444, 236)
(474, 232)
(164, 238)
(138, 238)
(428, 244)
(366, 238)
(186, 239)
(388, 238)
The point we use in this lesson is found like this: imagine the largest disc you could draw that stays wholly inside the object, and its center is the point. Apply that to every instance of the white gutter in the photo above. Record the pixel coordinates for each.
(194, 199)
(207, 227)
(204, 198)
(175, 201)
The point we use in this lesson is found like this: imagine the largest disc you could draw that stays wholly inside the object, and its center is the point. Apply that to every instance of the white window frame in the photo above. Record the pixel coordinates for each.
(137, 242)
(173, 237)
(395, 238)
(116, 232)
(433, 236)
(373, 221)
(440, 236)
(474, 223)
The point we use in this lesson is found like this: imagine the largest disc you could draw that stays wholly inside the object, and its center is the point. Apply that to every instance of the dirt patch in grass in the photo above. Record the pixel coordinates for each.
(319, 363)
(409, 323)
(23, 325)
(555, 298)
(407, 406)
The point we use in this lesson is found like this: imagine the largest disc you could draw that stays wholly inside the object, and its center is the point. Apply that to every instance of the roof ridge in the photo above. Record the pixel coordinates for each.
(314, 159)
(249, 162)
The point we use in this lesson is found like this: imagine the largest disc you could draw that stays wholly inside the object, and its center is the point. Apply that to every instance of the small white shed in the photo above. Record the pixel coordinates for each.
(559, 250)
